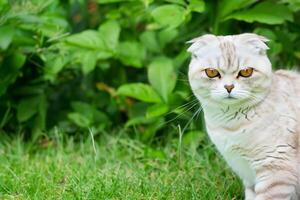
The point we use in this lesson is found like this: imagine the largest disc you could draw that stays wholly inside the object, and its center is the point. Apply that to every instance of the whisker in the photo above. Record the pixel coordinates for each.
(182, 106)
(180, 72)
(184, 81)
(171, 120)
(189, 122)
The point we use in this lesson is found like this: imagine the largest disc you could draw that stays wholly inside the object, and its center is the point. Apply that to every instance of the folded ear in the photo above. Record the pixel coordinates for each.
(199, 43)
(256, 42)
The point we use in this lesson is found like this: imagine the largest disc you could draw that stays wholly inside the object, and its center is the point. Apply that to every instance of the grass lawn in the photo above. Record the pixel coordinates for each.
(115, 167)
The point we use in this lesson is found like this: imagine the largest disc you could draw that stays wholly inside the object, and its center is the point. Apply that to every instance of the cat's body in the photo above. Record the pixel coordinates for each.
(257, 130)
(263, 138)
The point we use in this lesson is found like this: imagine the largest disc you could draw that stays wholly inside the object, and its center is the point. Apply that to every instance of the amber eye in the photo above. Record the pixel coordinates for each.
(212, 73)
(246, 72)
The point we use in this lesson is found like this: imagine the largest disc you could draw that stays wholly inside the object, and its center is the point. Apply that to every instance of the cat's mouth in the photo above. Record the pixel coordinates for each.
(229, 97)
(230, 100)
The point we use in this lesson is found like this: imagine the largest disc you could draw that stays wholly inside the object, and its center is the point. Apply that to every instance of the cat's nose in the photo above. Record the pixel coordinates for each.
(229, 87)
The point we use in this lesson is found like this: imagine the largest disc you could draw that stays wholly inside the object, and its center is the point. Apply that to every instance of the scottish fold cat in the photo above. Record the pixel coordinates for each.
(252, 113)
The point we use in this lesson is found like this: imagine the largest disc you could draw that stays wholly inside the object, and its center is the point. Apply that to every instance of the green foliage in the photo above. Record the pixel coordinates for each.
(9, 69)
(170, 16)
(108, 63)
(266, 12)
(162, 77)
(139, 91)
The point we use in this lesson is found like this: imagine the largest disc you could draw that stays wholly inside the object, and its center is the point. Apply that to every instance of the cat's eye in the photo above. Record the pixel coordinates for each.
(212, 73)
(246, 72)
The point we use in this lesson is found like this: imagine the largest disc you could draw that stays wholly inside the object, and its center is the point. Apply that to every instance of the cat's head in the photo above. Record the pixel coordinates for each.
(230, 69)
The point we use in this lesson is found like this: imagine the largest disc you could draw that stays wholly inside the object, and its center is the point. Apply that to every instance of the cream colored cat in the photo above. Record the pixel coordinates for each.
(252, 114)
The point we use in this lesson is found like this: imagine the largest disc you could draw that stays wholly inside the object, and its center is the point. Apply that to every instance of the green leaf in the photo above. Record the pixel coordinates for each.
(294, 5)
(79, 119)
(86, 115)
(89, 46)
(192, 140)
(30, 107)
(169, 15)
(193, 137)
(7, 33)
(40, 119)
(268, 33)
(110, 32)
(151, 126)
(265, 12)
(89, 39)
(297, 54)
(166, 36)
(181, 57)
(89, 60)
(196, 5)
(53, 65)
(139, 120)
(180, 2)
(157, 110)
(27, 108)
(226, 7)
(149, 40)
(112, 1)
(9, 70)
(51, 25)
(3, 2)
(162, 77)
(82, 107)
(139, 91)
(131, 53)
(151, 129)
(275, 47)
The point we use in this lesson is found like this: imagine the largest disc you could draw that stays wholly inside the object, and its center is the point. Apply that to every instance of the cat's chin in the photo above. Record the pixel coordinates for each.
(226, 101)
(231, 99)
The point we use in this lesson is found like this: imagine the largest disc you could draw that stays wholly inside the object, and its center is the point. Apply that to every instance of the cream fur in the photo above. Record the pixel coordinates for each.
(257, 130)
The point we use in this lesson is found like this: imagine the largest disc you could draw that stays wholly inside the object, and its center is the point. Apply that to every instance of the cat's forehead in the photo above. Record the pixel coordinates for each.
(222, 54)
(209, 44)
(225, 45)
(215, 46)
(227, 38)
(229, 53)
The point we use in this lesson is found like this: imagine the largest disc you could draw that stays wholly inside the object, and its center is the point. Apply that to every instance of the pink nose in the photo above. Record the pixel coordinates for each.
(229, 87)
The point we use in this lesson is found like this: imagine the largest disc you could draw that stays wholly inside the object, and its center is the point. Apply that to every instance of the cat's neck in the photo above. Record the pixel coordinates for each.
(231, 117)
(227, 116)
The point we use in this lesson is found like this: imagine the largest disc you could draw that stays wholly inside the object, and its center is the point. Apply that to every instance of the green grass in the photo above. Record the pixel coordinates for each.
(117, 167)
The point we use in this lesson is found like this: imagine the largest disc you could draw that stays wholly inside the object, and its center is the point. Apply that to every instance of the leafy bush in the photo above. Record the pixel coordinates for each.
(106, 63)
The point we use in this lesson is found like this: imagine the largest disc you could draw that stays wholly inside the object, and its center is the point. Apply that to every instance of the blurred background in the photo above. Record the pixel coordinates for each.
(120, 64)
(94, 95)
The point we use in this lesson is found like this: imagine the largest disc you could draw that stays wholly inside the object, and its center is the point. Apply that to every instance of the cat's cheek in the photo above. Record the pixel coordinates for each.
(201, 82)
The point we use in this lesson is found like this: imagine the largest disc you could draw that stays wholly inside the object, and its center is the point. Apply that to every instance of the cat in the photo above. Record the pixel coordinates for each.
(252, 114)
